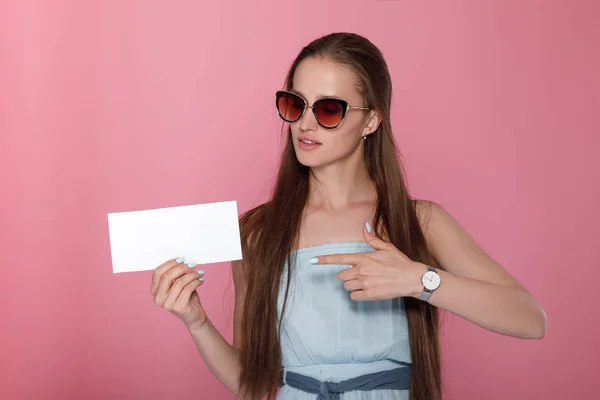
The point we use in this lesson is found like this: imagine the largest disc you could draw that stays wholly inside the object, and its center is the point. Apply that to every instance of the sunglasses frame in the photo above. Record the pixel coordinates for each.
(345, 109)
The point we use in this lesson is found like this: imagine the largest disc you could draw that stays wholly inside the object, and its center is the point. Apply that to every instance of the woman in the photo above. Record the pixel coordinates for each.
(343, 272)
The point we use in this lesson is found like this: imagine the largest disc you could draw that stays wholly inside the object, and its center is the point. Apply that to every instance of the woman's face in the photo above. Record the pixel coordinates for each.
(318, 78)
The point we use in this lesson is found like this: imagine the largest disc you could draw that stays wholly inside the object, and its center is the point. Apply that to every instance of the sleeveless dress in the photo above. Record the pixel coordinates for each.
(330, 337)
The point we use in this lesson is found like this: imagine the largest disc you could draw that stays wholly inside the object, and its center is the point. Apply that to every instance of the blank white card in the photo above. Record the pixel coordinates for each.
(202, 233)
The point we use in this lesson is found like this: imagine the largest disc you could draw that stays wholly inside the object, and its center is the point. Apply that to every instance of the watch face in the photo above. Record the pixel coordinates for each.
(430, 280)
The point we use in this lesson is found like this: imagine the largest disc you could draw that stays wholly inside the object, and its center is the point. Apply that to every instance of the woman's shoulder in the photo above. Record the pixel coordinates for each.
(431, 216)
(424, 210)
(429, 210)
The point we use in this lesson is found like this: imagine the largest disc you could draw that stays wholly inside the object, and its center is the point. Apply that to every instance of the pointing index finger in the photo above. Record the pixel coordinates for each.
(342, 259)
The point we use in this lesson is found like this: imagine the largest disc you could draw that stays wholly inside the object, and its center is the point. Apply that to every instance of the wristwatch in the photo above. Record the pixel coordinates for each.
(431, 281)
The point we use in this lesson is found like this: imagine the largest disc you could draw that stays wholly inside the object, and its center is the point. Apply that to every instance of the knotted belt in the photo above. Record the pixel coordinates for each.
(397, 378)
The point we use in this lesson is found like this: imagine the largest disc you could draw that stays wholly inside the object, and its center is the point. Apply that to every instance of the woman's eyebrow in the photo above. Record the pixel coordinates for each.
(320, 96)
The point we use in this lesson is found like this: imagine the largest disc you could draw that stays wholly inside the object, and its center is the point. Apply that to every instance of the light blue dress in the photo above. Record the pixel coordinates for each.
(330, 337)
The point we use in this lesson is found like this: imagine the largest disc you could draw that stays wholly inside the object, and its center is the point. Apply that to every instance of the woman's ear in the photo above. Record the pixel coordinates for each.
(372, 124)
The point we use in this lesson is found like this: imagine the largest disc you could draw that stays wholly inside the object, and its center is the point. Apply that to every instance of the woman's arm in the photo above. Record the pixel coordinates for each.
(222, 358)
(473, 285)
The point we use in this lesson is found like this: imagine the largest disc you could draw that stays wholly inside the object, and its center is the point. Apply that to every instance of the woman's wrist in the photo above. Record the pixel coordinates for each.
(197, 326)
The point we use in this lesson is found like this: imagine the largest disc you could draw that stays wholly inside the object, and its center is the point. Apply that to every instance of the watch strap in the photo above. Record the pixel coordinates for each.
(425, 295)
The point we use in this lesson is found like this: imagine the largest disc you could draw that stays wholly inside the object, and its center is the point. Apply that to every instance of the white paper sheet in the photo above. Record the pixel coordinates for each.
(202, 233)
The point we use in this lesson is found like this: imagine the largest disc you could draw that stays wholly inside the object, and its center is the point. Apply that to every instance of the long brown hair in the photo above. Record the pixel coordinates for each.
(270, 231)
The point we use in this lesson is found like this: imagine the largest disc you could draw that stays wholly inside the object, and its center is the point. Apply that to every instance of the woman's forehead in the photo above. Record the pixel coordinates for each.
(318, 78)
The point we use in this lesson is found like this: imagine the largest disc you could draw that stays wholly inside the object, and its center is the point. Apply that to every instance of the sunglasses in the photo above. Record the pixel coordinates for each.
(328, 112)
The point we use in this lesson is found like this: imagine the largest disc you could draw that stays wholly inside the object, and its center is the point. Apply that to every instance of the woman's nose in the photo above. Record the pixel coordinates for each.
(308, 121)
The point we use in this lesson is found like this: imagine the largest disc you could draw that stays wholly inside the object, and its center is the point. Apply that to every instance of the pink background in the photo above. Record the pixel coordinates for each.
(115, 105)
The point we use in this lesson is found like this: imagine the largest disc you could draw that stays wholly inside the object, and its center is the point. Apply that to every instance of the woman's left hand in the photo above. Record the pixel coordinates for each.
(385, 273)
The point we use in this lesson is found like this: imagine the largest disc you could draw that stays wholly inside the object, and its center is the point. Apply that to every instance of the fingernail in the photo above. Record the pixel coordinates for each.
(200, 271)
(368, 227)
(201, 279)
(314, 260)
(180, 260)
(191, 264)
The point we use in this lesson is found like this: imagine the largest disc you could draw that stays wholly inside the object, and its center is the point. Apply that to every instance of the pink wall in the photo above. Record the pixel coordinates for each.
(115, 105)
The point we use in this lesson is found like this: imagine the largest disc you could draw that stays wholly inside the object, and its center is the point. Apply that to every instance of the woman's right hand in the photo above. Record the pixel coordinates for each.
(174, 288)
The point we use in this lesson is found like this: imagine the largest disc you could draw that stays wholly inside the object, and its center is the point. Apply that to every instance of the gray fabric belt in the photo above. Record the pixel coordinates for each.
(397, 378)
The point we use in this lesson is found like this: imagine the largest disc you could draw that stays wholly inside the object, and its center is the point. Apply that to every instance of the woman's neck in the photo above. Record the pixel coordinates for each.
(335, 187)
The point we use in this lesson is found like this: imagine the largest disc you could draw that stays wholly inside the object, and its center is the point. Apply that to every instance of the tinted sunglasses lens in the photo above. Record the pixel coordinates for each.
(329, 112)
(290, 107)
